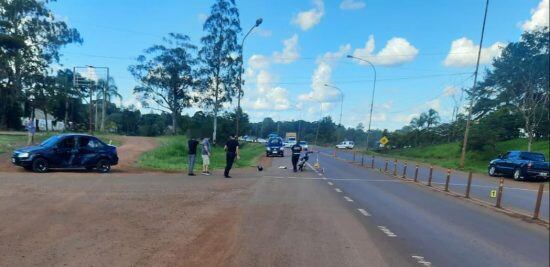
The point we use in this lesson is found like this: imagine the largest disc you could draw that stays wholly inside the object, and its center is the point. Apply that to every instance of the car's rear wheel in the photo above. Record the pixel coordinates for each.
(40, 165)
(103, 166)
(492, 171)
(517, 175)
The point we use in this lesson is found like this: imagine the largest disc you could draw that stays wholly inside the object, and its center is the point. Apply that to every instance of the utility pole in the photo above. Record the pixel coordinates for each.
(341, 107)
(240, 90)
(469, 118)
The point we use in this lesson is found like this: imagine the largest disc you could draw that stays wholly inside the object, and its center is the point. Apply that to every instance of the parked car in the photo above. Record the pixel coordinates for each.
(521, 165)
(261, 140)
(67, 151)
(304, 145)
(346, 145)
(274, 147)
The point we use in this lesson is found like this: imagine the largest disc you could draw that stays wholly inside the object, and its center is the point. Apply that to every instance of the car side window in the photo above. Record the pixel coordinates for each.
(507, 155)
(88, 142)
(513, 155)
(68, 142)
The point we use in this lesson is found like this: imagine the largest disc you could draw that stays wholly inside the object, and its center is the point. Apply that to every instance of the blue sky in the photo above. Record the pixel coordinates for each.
(424, 50)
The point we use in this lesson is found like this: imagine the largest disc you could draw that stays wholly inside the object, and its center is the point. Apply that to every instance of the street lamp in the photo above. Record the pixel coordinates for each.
(240, 92)
(373, 90)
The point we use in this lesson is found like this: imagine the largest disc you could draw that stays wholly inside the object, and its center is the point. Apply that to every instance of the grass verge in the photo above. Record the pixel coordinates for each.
(448, 155)
(171, 155)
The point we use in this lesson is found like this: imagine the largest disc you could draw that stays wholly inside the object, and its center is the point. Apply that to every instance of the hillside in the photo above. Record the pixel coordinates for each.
(448, 155)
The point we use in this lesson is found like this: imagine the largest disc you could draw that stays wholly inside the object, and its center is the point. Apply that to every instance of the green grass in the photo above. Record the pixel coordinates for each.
(171, 155)
(448, 155)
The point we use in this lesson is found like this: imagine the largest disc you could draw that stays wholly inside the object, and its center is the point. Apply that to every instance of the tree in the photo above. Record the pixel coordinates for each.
(165, 75)
(108, 91)
(519, 81)
(31, 39)
(218, 56)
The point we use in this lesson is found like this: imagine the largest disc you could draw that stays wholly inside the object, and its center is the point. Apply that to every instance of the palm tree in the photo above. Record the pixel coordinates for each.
(432, 118)
(110, 91)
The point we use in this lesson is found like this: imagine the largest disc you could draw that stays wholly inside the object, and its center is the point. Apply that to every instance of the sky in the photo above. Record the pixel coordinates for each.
(423, 51)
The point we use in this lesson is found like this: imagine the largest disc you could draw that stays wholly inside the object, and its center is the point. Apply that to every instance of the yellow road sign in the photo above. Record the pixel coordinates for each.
(493, 193)
(384, 140)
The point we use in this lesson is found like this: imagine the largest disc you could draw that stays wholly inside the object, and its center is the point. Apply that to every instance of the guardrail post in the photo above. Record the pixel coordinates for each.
(448, 180)
(500, 189)
(386, 167)
(362, 159)
(469, 185)
(334, 153)
(404, 175)
(354, 155)
(395, 167)
(539, 201)
(430, 175)
(416, 173)
(372, 162)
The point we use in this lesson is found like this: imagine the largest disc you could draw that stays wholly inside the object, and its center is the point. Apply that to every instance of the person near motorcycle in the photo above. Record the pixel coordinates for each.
(296, 151)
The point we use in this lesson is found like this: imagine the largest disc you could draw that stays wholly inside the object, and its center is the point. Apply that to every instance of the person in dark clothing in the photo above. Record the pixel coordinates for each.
(232, 148)
(192, 153)
(296, 151)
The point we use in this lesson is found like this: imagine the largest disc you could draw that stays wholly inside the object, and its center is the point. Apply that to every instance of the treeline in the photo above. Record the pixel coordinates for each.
(172, 75)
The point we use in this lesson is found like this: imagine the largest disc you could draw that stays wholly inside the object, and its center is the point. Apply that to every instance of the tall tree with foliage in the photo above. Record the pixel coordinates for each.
(165, 75)
(31, 39)
(519, 80)
(219, 57)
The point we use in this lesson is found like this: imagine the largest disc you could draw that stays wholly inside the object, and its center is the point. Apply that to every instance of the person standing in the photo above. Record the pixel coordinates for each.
(206, 152)
(296, 151)
(192, 152)
(232, 148)
(31, 129)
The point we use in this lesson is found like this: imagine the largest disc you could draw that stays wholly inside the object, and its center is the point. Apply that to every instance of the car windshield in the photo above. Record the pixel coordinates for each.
(303, 143)
(50, 141)
(275, 142)
(532, 156)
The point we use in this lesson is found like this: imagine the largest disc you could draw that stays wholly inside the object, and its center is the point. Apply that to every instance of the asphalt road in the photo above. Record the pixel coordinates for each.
(519, 196)
(441, 229)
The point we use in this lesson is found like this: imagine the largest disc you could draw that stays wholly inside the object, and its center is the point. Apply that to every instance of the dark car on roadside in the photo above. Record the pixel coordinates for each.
(275, 147)
(520, 165)
(67, 151)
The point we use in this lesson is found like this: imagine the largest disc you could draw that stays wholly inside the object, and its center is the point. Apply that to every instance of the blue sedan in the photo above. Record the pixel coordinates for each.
(67, 151)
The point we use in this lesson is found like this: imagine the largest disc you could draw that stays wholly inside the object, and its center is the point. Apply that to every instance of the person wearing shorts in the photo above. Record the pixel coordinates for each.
(206, 152)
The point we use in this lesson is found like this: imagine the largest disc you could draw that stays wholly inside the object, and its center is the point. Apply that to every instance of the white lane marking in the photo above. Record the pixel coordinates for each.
(329, 183)
(364, 212)
(348, 199)
(338, 190)
(386, 231)
(421, 260)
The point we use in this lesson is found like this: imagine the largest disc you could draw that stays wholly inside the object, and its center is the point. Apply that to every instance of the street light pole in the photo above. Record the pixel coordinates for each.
(240, 92)
(341, 107)
(469, 118)
(372, 98)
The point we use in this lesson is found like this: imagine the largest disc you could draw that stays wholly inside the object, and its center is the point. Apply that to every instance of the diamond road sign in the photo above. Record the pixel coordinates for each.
(384, 140)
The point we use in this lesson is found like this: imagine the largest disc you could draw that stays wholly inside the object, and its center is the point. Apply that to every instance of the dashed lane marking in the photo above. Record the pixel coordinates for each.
(364, 212)
(386, 231)
(348, 199)
(329, 183)
(338, 190)
(421, 260)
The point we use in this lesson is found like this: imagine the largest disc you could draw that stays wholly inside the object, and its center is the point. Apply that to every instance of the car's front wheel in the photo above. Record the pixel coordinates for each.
(40, 165)
(103, 166)
(517, 175)
(492, 171)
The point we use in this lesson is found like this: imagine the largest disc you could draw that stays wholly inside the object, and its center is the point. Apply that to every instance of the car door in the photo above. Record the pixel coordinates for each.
(65, 152)
(88, 149)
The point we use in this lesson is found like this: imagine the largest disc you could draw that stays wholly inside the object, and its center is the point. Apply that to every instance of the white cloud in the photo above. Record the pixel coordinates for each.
(450, 91)
(265, 96)
(290, 51)
(539, 17)
(307, 19)
(397, 51)
(258, 61)
(463, 53)
(352, 4)
(322, 75)
(262, 32)
(434, 104)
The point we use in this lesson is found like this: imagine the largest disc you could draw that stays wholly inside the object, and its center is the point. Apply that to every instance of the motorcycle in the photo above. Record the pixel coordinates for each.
(302, 161)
